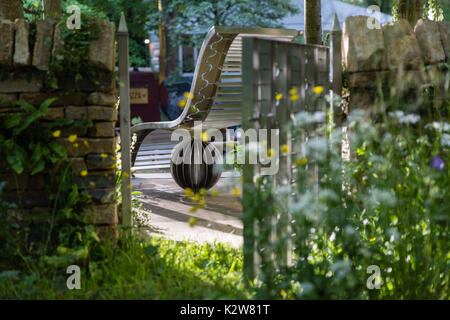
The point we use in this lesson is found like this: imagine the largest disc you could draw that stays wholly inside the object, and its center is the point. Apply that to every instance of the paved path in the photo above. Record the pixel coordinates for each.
(218, 221)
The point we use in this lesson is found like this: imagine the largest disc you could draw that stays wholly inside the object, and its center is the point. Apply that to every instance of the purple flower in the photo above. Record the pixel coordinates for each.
(437, 163)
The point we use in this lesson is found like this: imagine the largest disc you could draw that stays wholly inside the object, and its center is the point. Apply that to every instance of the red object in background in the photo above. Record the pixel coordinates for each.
(146, 95)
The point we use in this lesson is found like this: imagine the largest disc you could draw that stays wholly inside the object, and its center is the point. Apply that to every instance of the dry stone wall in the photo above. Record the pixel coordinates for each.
(396, 56)
(24, 66)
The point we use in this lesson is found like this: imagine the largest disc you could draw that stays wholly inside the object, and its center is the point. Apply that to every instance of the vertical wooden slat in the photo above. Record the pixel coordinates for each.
(125, 137)
(270, 68)
(283, 177)
(248, 103)
(267, 99)
(336, 69)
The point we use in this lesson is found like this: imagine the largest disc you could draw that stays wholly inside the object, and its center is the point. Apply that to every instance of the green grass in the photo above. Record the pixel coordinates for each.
(141, 269)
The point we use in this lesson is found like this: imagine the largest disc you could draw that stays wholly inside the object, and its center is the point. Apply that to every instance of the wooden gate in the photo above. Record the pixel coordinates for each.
(281, 79)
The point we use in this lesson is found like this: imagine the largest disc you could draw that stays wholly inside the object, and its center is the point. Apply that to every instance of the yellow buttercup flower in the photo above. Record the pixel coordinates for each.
(196, 197)
(83, 173)
(214, 192)
(129, 186)
(192, 221)
(399, 186)
(188, 95)
(283, 293)
(372, 239)
(86, 143)
(271, 152)
(279, 96)
(72, 138)
(75, 145)
(294, 97)
(125, 175)
(285, 148)
(202, 203)
(236, 192)
(205, 137)
(293, 91)
(182, 103)
(92, 184)
(104, 155)
(203, 192)
(318, 89)
(193, 209)
(301, 162)
(188, 192)
(56, 133)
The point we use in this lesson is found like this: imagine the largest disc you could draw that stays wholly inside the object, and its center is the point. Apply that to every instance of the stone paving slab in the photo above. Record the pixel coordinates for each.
(219, 221)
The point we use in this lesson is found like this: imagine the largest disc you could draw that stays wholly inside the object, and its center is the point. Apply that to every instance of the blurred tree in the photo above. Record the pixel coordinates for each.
(385, 5)
(313, 22)
(411, 10)
(445, 5)
(52, 9)
(11, 9)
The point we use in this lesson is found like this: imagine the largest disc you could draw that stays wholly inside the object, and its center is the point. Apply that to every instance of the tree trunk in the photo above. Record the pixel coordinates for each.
(313, 22)
(411, 10)
(11, 9)
(162, 46)
(52, 9)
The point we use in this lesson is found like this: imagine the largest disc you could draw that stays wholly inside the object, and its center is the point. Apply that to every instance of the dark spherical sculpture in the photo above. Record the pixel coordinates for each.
(196, 165)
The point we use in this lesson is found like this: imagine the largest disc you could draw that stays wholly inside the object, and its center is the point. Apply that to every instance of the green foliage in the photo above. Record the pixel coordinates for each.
(141, 19)
(387, 205)
(385, 5)
(138, 269)
(70, 63)
(28, 148)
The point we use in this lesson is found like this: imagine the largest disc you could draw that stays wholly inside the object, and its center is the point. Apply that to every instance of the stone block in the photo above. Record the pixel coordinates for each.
(22, 82)
(22, 54)
(37, 98)
(76, 113)
(363, 99)
(58, 43)
(105, 214)
(95, 113)
(6, 43)
(104, 82)
(102, 99)
(43, 44)
(7, 99)
(102, 130)
(368, 79)
(96, 181)
(444, 28)
(84, 146)
(102, 113)
(108, 233)
(102, 195)
(54, 114)
(28, 199)
(363, 49)
(402, 47)
(78, 165)
(100, 161)
(102, 51)
(429, 38)
(12, 184)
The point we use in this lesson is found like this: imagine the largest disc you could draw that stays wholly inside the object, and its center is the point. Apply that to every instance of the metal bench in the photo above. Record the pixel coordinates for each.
(216, 91)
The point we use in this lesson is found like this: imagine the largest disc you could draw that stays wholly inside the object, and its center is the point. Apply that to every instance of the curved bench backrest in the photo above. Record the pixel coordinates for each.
(215, 62)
